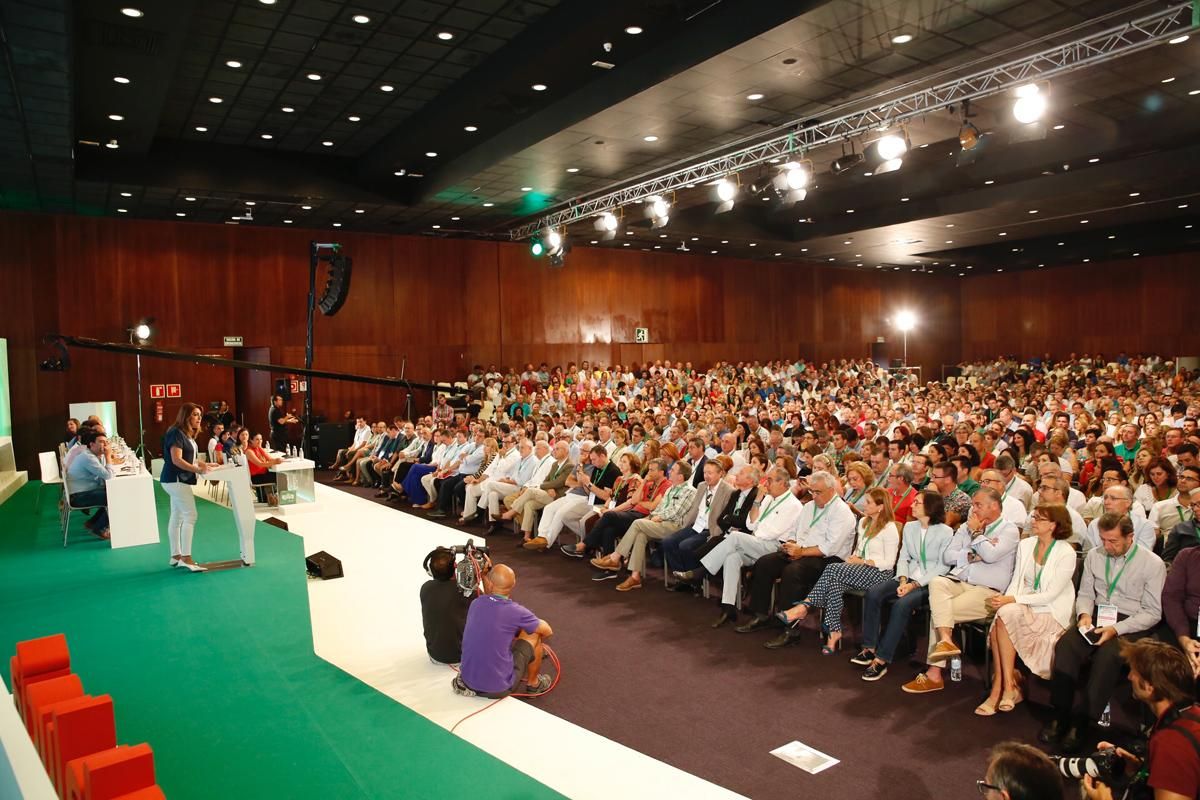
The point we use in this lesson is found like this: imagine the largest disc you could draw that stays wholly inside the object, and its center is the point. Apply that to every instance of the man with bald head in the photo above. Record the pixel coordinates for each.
(502, 644)
(1119, 500)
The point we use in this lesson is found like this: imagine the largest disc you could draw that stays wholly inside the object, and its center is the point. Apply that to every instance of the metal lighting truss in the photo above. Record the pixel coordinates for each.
(1089, 51)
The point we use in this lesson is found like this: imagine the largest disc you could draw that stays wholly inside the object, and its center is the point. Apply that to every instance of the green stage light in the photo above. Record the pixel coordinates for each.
(536, 248)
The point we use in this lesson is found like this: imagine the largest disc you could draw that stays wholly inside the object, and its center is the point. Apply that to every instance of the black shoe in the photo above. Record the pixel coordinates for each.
(605, 575)
(789, 637)
(1052, 733)
(1072, 742)
(569, 550)
(864, 658)
(726, 617)
(759, 622)
(874, 672)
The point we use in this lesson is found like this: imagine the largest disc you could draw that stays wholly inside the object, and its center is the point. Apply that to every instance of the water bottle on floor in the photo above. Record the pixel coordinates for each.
(1105, 720)
(956, 669)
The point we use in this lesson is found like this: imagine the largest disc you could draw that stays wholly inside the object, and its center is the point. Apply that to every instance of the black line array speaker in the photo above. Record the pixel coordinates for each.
(338, 285)
(323, 566)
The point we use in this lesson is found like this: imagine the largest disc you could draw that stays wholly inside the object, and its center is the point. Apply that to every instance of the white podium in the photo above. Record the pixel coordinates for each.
(241, 499)
(132, 515)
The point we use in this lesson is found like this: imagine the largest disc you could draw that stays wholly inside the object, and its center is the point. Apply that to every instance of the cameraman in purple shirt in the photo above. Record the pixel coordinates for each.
(502, 644)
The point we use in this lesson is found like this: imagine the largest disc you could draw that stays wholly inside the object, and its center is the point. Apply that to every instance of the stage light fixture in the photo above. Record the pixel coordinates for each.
(658, 211)
(606, 224)
(792, 180)
(891, 147)
(1030, 104)
(726, 189)
(536, 248)
(846, 162)
(968, 136)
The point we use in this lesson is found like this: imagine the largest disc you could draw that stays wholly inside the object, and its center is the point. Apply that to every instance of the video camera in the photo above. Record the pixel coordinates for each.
(469, 571)
(1105, 766)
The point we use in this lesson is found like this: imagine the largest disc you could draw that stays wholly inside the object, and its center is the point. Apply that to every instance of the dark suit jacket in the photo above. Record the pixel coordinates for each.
(1181, 537)
(698, 471)
(731, 519)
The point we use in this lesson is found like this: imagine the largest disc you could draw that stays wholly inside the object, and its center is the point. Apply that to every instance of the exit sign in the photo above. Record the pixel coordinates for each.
(233, 341)
(641, 335)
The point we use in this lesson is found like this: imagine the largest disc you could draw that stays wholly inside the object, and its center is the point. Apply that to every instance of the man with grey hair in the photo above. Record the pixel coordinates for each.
(900, 490)
(1013, 509)
(1119, 500)
(1185, 534)
(1014, 485)
(771, 521)
(823, 535)
(1053, 491)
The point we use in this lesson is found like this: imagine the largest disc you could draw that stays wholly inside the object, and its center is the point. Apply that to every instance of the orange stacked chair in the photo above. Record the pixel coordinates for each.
(77, 728)
(37, 660)
(40, 699)
(122, 772)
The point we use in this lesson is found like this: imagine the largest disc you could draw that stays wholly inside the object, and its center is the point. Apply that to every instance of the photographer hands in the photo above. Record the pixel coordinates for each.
(1094, 789)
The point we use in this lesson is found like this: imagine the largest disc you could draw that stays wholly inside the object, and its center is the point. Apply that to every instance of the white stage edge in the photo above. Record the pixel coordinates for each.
(369, 625)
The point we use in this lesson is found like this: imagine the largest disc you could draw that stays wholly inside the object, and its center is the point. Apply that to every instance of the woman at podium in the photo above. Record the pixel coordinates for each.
(179, 472)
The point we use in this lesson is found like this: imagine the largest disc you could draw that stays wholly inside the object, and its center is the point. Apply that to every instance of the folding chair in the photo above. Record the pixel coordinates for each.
(70, 508)
(51, 476)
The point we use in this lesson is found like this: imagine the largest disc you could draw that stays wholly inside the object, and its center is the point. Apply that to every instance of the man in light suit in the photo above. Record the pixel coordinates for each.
(701, 522)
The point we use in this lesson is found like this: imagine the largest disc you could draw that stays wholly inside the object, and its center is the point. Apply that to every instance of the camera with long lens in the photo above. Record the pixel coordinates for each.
(469, 570)
(1104, 765)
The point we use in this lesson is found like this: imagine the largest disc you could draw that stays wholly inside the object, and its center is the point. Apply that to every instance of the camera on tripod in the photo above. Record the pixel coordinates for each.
(469, 570)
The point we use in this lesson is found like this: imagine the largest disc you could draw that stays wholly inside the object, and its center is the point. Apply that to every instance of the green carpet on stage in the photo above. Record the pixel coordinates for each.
(217, 671)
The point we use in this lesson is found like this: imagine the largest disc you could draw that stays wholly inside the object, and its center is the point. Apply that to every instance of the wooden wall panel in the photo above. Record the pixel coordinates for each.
(443, 304)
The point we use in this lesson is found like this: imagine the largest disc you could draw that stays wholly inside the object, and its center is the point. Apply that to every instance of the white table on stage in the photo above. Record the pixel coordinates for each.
(241, 498)
(297, 474)
(132, 514)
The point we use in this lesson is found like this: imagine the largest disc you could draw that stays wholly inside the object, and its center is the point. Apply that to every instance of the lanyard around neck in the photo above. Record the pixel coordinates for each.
(1112, 584)
(1037, 573)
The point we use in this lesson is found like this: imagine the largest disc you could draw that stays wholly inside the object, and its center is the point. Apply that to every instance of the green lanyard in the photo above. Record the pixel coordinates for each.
(1008, 488)
(857, 497)
(866, 541)
(1037, 573)
(1183, 512)
(772, 507)
(882, 479)
(817, 517)
(904, 497)
(1112, 584)
(924, 563)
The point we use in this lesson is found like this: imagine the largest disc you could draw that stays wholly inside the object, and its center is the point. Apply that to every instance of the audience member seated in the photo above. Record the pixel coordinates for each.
(466, 443)
(703, 521)
(1119, 500)
(1053, 490)
(260, 468)
(502, 645)
(524, 473)
(956, 502)
(646, 493)
(1035, 610)
(873, 563)
(504, 465)
(981, 556)
(858, 479)
(527, 501)
(772, 519)
(666, 519)
(1011, 508)
(1180, 604)
(368, 466)
(588, 487)
(432, 450)
(1166, 514)
(87, 479)
(1120, 594)
(923, 546)
(1185, 534)
(454, 486)
(348, 470)
(1160, 484)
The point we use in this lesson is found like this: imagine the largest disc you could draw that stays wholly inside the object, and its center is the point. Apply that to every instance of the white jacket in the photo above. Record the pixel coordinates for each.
(1056, 592)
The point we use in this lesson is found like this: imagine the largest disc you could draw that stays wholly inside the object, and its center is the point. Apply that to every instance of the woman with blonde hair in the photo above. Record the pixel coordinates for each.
(872, 563)
(179, 472)
(858, 478)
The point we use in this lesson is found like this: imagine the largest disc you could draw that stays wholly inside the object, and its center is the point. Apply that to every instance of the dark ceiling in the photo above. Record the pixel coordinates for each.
(416, 116)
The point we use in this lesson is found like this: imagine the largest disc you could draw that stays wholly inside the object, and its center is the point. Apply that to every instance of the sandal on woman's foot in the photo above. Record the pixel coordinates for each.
(986, 709)
(1010, 701)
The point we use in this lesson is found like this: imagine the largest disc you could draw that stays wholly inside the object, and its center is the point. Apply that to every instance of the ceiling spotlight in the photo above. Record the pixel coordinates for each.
(361, 19)
(891, 147)
(116, 117)
(120, 79)
(754, 96)
(488, 205)
(445, 36)
(795, 176)
(126, 194)
(354, 118)
(633, 30)
(902, 38)
(658, 210)
(650, 138)
(233, 64)
(327, 143)
(470, 128)
(287, 110)
(112, 144)
(968, 136)
(846, 163)
(572, 170)
(137, 12)
(387, 87)
(267, 136)
(606, 223)
(215, 100)
(180, 214)
(1178, 39)
(431, 154)
(726, 192)
(538, 87)
(313, 76)
(1030, 105)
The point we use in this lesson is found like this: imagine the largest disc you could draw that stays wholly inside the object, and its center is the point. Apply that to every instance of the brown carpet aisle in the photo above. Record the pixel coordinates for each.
(645, 669)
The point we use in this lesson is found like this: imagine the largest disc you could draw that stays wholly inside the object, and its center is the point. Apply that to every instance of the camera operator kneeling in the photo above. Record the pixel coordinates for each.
(502, 644)
(443, 608)
(1162, 679)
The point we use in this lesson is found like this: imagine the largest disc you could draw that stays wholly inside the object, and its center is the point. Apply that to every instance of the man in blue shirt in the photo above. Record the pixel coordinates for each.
(502, 644)
(86, 479)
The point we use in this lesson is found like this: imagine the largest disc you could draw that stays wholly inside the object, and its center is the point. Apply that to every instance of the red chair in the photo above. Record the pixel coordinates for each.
(41, 697)
(149, 793)
(38, 660)
(109, 774)
(77, 728)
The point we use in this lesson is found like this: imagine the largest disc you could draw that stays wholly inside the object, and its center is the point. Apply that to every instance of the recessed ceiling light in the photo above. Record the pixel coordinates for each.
(354, 118)
(361, 19)
(215, 100)
(287, 222)
(1167, 80)
(1093, 160)
(360, 211)
(435, 227)
(288, 110)
(1182, 205)
(431, 154)
(1033, 211)
(1086, 260)
(695, 238)
(755, 96)
(538, 87)
(455, 219)
(526, 188)
(267, 136)
(387, 87)
(633, 30)
(988, 182)
(662, 236)
(306, 208)
(753, 244)
(400, 173)
(724, 241)
(313, 76)
(1060, 244)
(1003, 233)
(470, 128)
(903, 199)
(122, 210)
(572, 169)
(1059, 127)
(1112, 236)
(267, 2)
(180, 214)
(488, 205)
(126, 194)
(902, 38)
(650, 138)
(1136, 255)
(337, 224)
(233, 64)
(327, 143)
(848, 241)
(1083, 222)
(190, 199)
(132, 12)
(949, 224)
(112, 144)
(116, 117)
(627, 244)
(949, 241)
(1178, 39)
(120, 79)
(1135, 194)
(833, 259)
(1194, 92)
(445, 36)
(251, 203)
(803, 249)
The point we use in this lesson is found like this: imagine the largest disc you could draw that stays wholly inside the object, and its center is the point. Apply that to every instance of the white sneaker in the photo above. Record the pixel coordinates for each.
(192, 567)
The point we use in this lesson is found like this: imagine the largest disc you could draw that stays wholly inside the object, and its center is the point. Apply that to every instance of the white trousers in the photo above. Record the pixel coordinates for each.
(427, 482)
(735, 551)
(566, 509)
(471, 503)
(493, 492)
(182, 523)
